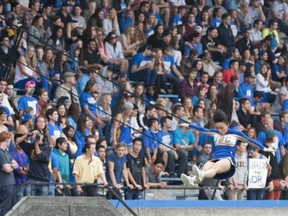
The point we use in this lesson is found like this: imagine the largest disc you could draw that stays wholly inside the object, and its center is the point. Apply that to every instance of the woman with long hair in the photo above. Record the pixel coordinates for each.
(155, 39)
(111, 23)
(96, 20)
(26, 70)
(188, 108)
(211, 96)
(72, 148)
(200, 94)
(42, 101)
(114, 52)
(85, 127)
(57, 40)
(62, 113)
(73, 114)
(36, 31)
(129, 42)
(139, 97)
(121, 128)
(263, 84)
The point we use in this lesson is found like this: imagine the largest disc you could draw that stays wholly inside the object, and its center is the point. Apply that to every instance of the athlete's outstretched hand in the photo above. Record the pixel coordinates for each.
(184, 125)
(268, 149)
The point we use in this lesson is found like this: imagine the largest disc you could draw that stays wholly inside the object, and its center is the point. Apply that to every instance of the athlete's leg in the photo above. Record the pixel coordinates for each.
(219, 167)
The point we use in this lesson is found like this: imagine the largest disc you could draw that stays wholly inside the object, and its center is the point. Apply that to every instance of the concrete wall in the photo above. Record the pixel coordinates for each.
(64, 206)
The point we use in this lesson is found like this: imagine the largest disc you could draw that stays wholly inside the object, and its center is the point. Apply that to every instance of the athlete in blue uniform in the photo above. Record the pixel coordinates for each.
(223, 164)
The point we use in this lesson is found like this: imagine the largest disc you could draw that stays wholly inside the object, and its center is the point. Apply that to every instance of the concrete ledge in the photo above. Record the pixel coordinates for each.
(64, 206)
(204, 208)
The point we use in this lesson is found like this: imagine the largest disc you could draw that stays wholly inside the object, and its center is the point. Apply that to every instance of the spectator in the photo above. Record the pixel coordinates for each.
(150, 140)
(121, 126)
(88, 169)
(141, 67)
(28, 99)
(274, 181)
(117, 168)
(111, 23)
(39, 158)
(54, 130)
(244, 113)
(36, 31)
(136, 171)
(25, 70)
(238, 182)
(256, 194)
(225, 34)
(114, 52)
(67, 88)
(60, 151)
(7, 180)
(153, 175)
(246, 89)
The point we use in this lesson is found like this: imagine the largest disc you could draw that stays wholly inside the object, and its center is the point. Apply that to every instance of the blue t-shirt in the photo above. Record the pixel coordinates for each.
(25, 102)
(246, 91)
(183, 139)
(165, 138)
(177, 20)
(280, 140)
(86, 99)
(54, 130)
(118, 167)
(81, 82)
(150, 139)
(139, 60)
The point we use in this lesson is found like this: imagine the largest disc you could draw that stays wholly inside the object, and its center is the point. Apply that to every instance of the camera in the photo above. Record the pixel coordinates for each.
(37, 137)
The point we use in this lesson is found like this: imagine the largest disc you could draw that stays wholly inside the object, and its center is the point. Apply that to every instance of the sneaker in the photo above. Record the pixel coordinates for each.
(187, 180)
(198, 173)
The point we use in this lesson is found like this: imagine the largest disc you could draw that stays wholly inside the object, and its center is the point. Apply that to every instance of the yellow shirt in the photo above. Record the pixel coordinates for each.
(88, 171)
(266, 32)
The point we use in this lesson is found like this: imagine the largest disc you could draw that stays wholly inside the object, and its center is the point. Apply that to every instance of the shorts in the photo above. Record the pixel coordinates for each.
(227, 174)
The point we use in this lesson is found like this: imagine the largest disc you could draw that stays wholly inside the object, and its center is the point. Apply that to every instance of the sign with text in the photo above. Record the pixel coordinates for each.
(257, 173)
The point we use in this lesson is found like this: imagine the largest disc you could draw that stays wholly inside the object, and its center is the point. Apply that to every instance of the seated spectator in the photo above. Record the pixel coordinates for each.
(68, 88)
(129, 42)
(114, 52)
(111, 23)
(141, 68)
(26, 70)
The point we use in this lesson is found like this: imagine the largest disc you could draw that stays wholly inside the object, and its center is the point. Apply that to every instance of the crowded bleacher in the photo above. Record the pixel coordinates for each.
(101, 93)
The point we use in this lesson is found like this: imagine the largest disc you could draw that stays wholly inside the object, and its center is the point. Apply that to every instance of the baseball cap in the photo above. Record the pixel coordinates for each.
(65, 4)
(26, 117)
(127, 105)
(68, 74)
(269, 133)
(28, 83)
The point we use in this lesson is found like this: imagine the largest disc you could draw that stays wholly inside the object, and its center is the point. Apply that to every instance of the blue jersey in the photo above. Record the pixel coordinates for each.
(225, 145)
(25, 102)
(86, 99)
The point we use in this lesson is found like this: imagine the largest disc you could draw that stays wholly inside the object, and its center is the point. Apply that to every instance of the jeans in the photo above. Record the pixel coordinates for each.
(133, 194)
(146, 75)
(37, 190)
(5, 192)
(42, 84)
(255, 194)
(182, 161)
(21, 193)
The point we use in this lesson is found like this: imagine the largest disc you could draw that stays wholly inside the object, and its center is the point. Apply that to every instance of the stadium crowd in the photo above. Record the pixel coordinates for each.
(95, 92)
